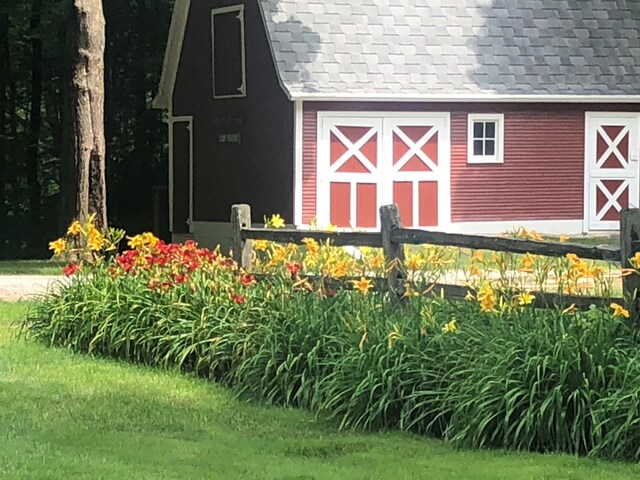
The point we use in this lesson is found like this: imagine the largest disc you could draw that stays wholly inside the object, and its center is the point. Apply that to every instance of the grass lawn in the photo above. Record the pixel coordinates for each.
(30, 267)
(65, 416)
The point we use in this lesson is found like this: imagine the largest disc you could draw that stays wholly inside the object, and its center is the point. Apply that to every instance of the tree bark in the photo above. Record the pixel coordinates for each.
(84, 184)
(35, 121)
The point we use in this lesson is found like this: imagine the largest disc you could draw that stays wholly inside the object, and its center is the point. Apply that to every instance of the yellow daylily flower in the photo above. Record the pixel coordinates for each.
(95, 242)
(58, 246)
(276, 221)
(619, 310)
(477, 256)
(312, 245)
(75, 229)
(260, 245)
(413, 262)
(563, 238)
(363, 285)
(339, 269)
(450, 327)
(487, 298)
(526, 263)
(533, 235)
(525, 299)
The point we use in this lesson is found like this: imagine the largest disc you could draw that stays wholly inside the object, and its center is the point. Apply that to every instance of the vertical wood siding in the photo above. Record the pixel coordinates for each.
(542, 177)
(259, 169)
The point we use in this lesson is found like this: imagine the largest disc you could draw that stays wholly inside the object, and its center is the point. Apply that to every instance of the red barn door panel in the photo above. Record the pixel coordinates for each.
(349, 174)
(416, 171)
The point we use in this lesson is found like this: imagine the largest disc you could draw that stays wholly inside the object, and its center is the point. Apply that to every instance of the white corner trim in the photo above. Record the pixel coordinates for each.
(479, 97)
(551, 227)
(298, 113)
(172, 54)
(239, 8)
(498, 156)
(586, 178)
(172, 121)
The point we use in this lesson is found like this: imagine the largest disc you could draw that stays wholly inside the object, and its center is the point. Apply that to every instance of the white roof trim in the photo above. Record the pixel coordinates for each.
(172, 55)
(478, 97)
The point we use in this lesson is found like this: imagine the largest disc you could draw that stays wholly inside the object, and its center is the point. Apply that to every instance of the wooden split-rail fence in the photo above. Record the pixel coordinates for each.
(392, 238)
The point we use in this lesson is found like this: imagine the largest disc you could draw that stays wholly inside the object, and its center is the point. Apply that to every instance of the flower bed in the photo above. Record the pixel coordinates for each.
(491, 371)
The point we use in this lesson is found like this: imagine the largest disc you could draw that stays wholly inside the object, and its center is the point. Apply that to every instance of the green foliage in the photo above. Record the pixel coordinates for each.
(519, 378)
(66, 416)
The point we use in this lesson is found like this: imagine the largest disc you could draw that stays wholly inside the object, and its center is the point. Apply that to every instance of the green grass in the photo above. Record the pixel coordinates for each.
(65, 416)
(30, 267)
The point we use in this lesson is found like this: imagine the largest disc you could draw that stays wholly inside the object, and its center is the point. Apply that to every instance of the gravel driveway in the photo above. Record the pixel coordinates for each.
(24, 287)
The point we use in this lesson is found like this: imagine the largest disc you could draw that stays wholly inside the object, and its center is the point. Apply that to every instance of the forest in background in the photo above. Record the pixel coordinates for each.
(33, 70)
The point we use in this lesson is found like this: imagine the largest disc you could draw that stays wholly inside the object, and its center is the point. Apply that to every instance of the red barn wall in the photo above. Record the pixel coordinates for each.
(259, 170)
(542, 177)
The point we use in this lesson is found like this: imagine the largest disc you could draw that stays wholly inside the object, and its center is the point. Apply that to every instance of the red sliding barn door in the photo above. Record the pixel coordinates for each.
(350, 173)
(366, 161)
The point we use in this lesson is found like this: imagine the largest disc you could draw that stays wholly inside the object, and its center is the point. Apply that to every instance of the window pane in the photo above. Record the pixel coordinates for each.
(478, 130)
(227, 54)
(490, 147)
(490, 130)
(477, 147)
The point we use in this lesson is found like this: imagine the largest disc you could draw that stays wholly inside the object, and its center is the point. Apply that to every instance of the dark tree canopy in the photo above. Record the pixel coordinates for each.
(33, 79)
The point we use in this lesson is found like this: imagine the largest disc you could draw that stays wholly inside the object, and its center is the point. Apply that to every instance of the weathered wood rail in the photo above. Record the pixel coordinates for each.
(392, 238)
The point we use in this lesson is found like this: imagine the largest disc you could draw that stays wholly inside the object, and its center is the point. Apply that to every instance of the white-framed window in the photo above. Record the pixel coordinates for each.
(228, 52)
(486, 138)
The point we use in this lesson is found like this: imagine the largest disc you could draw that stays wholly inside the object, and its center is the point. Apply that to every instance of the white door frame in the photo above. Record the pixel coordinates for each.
(590, 152)
(385, 195)
(188, 120)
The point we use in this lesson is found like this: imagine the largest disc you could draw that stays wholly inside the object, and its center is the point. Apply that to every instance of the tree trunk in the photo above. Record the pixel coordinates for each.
(35, 121)
(84, 186)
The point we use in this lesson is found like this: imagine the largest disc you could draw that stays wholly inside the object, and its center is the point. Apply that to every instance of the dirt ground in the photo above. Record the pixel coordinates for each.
(24, 287)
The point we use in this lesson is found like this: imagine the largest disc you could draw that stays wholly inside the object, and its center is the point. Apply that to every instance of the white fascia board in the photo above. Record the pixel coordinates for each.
(172, 54)
(477, 98)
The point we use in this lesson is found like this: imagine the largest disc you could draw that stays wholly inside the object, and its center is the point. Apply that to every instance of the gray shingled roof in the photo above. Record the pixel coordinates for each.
(417, 48)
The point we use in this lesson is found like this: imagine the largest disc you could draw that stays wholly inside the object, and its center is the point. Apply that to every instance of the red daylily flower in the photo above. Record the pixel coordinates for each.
(294, 268)
(181, 278)
(70, 269)
(239, 299)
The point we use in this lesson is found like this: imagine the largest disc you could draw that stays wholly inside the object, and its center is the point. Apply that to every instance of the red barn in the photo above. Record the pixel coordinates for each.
(473, 116)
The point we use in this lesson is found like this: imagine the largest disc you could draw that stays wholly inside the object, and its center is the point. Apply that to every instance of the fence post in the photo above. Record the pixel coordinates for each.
(241, 250)
(629, 246)
(393, 252)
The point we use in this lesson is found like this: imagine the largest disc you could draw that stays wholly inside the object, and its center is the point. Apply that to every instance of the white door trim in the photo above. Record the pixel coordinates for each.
(633, 175)
(189, 121)
(381, 120)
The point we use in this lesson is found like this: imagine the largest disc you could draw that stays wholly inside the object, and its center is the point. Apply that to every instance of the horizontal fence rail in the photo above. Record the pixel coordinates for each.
(337, 239)
(501, 244)
(392, 238)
